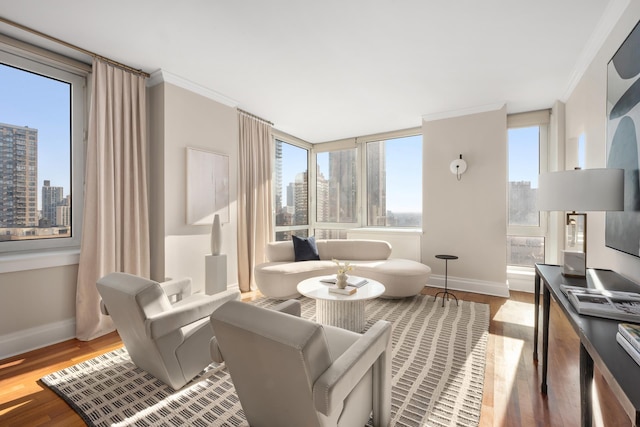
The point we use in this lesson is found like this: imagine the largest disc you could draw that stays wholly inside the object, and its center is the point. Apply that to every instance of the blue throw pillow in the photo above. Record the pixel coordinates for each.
(305, 249)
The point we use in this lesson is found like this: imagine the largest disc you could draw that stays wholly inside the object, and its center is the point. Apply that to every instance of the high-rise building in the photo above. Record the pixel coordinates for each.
(51, 199)
(278, 176)
(376, 184)
(522, 205)
(343, 186)
(18, 176)
(322, 197)
(63, 212)
(301, 201)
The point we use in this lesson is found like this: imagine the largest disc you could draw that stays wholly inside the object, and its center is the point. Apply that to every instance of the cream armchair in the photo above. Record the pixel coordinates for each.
(165, 329)
(289, 371)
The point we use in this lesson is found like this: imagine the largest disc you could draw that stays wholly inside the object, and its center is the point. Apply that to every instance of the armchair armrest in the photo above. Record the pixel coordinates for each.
(181, 288)
(189, 312)
(335, 384)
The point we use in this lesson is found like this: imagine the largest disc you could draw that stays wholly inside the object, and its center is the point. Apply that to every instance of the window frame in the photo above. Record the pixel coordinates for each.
(296, 142)
(542, 119)
(405, 133)
(328, 147)
(55, 66)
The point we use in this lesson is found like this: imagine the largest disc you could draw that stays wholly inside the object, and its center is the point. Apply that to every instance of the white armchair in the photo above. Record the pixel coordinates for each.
(165, 329)
(290, 371)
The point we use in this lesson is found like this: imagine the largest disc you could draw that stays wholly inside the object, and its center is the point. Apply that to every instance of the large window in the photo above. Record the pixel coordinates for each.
(394, 182)
(291, 192)
(364, 182)
(337, 187)
(41, 127)
(527, 141)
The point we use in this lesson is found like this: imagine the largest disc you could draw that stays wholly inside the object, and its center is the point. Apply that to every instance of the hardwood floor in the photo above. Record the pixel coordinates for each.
(511, 390)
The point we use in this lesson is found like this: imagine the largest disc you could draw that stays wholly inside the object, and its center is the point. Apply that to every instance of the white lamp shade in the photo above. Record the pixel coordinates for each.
(581, 190)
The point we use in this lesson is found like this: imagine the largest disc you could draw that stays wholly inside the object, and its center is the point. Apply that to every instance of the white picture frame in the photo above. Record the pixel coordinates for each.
(207, 186)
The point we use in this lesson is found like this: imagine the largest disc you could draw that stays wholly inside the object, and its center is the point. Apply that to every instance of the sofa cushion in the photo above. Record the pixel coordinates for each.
(305, 249)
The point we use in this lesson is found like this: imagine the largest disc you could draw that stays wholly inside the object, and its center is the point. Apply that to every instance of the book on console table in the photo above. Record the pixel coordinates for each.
(631, 333)
(348, 290)
(615, 305)
(629, 340)
(353, 281)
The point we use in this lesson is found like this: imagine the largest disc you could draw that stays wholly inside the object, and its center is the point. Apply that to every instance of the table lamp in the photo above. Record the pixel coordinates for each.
(580, 190)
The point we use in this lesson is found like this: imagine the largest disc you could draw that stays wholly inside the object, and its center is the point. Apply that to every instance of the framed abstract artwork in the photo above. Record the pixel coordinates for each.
(207, 186)
(622, 230)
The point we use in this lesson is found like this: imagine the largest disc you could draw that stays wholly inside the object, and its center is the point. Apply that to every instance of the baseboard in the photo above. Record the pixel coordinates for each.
(521, 280)
(38, 337)
(470, 285)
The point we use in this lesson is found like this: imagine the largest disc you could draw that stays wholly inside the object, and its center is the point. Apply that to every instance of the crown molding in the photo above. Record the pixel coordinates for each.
(608, 21)
(463, 112)
(161, 76)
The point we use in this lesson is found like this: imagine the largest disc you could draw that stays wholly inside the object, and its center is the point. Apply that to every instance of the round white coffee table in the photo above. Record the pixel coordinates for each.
(344, 311)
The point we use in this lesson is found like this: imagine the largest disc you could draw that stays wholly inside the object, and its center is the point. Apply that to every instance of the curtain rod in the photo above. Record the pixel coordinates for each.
(254, 116)
(74, 47)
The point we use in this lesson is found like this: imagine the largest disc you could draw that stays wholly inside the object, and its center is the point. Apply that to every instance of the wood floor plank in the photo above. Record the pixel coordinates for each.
(511, 396)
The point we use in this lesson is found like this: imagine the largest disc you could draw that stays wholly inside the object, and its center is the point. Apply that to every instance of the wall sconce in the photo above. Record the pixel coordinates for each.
(458, 167)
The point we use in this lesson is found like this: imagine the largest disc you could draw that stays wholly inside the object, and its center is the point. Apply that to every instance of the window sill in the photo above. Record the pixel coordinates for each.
(387, 230)
(35, 260)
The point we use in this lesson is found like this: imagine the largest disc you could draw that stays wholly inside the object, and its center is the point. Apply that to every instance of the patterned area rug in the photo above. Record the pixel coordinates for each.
(437, 380)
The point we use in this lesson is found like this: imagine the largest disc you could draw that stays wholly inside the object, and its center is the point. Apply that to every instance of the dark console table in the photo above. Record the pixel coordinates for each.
(597, 339)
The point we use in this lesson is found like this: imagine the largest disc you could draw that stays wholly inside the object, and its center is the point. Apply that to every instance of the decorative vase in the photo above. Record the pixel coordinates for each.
(341, 280)
(216, 235)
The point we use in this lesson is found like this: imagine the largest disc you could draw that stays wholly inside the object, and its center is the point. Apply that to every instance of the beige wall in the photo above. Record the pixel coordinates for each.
(185, 119)
(155, 109)
(37, 297)
(586, 113)
(466, 218)
(37, 308)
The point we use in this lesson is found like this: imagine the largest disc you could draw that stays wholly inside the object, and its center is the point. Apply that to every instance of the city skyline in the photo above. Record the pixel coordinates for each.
(403, 162)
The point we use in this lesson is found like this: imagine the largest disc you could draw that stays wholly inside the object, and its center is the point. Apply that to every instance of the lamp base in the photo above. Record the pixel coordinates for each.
(574, 264)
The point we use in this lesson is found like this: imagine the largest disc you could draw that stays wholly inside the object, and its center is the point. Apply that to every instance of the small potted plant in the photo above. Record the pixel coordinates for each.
(341, 276)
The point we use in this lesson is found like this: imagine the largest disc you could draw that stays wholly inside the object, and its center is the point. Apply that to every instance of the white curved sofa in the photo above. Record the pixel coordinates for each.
(279, 277)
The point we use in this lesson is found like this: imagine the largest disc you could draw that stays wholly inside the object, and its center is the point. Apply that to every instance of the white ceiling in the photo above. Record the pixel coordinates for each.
(333, 69)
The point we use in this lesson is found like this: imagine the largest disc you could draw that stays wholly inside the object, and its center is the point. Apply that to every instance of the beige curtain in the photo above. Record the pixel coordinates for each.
(255, 211)
(115, 231)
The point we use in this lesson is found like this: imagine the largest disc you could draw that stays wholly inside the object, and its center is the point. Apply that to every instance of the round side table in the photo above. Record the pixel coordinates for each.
(446, 294)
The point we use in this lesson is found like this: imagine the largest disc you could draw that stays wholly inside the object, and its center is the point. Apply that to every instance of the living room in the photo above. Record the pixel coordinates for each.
(465, 217)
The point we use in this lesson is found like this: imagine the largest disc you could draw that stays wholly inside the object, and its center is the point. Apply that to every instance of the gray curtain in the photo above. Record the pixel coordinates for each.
(255, 202)
(115, 232)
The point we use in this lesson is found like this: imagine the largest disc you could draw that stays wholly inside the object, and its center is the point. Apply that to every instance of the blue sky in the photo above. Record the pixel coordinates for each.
(524, 155)
(42, 103)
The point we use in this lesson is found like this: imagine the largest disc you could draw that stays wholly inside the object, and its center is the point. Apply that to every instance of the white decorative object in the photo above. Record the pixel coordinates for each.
(216, 235)
(574, 264)
(341, 280)
(215, 274)
(341, 276)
